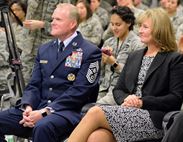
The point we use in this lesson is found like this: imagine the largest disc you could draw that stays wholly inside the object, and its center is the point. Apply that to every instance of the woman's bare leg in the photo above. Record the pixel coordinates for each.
(93, 120)
(101, 135)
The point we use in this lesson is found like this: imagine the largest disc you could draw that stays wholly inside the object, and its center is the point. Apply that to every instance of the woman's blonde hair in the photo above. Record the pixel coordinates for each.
(162, 29)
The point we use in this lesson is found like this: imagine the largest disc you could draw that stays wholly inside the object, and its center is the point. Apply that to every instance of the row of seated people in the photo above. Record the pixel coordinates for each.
(29, 37)
(149, 86)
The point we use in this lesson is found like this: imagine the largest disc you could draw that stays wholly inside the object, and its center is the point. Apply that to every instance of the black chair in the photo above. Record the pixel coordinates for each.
(9, 96)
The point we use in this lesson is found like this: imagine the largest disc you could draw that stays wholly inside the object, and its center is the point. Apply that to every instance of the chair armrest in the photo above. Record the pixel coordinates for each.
(168, 120)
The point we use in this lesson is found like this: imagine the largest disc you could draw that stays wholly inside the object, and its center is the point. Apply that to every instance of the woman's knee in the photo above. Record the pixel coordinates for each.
(95, 111)
(95, 114)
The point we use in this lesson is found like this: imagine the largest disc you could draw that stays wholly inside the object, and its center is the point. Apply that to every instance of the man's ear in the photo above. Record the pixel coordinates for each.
(73, 24)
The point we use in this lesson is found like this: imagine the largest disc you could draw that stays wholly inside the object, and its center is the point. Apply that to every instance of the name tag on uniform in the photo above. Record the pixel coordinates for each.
(43, 61)
(74, 60)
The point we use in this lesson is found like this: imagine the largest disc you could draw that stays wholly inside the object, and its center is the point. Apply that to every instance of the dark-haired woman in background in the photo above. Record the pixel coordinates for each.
(150, 85)
(175, 12)
(89, 25)
(123, 41)
(19, 9)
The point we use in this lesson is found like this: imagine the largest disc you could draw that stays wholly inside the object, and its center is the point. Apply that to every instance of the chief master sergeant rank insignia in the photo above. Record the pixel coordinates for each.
(92, 72)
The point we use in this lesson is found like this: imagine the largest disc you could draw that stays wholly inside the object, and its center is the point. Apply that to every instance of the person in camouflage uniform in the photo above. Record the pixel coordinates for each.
(162, 4)
(107, 6)
(179, 32)
(4, 64)
(151, 3)
(172, 8)
(100, 12)
(19, 9)
(89, 25)
(120, 45)
(129, 3)
(179, 37)
(111, 2)
(138, 4)
(147, 2)
(180, 44)
(38, 20)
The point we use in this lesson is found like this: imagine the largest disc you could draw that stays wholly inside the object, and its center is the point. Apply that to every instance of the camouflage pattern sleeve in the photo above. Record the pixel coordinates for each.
(92, 30)
(4, 64)
(103, 16)
(179, 32)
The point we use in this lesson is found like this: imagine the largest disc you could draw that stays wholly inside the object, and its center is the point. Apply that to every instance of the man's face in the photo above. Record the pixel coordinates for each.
(61, 25)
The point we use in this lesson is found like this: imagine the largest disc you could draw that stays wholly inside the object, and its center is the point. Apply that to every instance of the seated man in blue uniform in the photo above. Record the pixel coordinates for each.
(65, 77)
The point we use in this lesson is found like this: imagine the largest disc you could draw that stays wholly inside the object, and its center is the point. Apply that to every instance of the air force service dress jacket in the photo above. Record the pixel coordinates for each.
(67, 83)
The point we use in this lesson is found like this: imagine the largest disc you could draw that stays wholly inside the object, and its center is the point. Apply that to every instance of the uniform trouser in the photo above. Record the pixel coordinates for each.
(175, 132)
(51, 128)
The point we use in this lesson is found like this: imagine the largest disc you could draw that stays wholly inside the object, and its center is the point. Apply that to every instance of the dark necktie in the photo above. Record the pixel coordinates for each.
(60, 48)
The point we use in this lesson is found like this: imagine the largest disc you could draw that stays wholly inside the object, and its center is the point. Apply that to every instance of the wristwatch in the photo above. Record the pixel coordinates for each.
(115, 65)
(43, 113)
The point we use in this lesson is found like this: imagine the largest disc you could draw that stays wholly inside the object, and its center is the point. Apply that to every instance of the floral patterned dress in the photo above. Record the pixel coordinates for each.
(131, 124)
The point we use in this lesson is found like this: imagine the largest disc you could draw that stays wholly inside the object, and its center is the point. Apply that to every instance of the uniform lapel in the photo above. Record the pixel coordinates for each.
(158, 60)
(135, 64)
(73, 45)
(52, 53)
(133, 69)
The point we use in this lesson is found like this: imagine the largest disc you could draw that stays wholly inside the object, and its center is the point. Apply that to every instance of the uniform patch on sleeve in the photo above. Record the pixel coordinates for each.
(92, 72)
